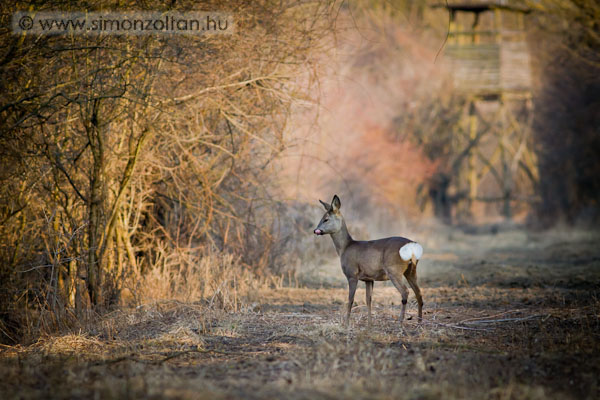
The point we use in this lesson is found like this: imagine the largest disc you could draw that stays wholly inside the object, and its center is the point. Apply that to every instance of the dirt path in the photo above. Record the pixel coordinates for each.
(513, 322)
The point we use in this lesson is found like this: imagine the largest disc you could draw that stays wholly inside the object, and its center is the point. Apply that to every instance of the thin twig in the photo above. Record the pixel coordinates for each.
(489, 316)
(493, 321)
(453, 326)
(447, 33)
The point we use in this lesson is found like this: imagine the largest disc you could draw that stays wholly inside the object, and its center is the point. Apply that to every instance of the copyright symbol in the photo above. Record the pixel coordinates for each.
(26, 22)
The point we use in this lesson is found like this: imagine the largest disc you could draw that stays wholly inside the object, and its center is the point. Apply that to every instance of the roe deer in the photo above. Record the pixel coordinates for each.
(373, 260)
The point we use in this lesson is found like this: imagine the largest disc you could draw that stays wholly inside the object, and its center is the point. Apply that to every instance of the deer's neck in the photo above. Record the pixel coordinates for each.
(341, 239)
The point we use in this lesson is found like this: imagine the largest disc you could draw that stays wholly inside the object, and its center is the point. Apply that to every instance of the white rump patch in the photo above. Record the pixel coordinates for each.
(410, 249)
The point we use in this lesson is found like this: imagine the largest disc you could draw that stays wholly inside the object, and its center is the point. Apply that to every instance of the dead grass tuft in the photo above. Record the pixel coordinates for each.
(216, 280)
(72, 344)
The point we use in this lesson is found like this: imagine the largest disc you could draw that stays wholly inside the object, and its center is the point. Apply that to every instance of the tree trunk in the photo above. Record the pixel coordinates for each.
(95, 227)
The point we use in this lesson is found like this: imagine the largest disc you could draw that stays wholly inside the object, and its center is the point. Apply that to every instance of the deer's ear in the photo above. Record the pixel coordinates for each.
(327, 206)
(335, 203)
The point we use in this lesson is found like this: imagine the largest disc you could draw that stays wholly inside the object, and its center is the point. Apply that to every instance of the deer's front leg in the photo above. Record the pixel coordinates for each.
(352, 283)
(369, 285)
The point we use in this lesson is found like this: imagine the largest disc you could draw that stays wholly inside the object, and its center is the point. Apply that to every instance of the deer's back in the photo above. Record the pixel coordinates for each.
(367, 259)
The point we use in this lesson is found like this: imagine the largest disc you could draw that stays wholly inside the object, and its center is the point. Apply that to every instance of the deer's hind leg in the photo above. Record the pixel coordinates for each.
(411, 277)
(397, 281)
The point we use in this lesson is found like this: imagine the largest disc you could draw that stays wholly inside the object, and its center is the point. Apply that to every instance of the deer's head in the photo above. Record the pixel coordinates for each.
(332, 219)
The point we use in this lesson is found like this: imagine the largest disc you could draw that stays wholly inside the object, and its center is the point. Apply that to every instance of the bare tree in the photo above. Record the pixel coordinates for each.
(120, 151)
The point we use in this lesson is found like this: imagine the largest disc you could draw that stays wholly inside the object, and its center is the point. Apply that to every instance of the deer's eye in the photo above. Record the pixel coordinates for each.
(326, 219)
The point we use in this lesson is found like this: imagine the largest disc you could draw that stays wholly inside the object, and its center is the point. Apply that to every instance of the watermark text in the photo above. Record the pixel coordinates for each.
(121, 23)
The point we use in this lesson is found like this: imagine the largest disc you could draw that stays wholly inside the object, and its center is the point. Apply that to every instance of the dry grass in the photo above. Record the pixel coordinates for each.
(500, 336)
(222, 281)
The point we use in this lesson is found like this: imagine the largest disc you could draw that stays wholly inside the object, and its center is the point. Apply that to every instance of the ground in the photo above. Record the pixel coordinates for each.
(507, 315)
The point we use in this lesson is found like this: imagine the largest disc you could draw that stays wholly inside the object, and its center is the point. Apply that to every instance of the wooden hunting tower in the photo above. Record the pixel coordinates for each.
(490, 62)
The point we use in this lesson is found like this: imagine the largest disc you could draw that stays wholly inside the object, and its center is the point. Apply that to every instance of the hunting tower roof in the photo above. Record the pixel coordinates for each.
(480, 6)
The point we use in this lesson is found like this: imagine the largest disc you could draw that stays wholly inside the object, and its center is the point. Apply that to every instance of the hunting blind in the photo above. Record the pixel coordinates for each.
(489, 58)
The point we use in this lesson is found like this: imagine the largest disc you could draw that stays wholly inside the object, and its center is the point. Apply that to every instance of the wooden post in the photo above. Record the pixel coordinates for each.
(472, 172)
(506, 187)
(452, 39)
(498, 25)
(475, 33)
